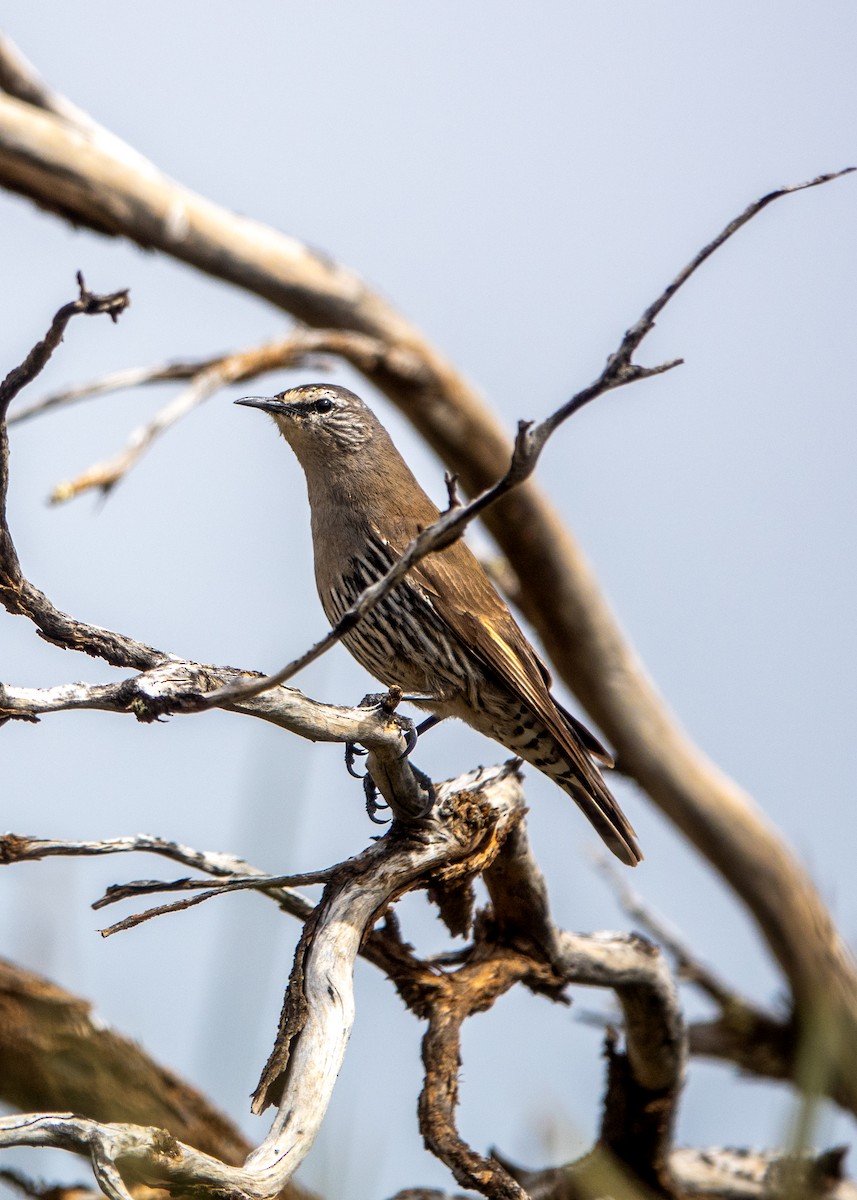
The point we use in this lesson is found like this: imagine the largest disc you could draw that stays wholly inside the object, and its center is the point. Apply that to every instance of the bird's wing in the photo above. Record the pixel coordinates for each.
(466, 600)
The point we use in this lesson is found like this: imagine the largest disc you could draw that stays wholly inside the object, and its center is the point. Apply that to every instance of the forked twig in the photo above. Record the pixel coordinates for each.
(205, 377)
(529, 443)
(205, 889)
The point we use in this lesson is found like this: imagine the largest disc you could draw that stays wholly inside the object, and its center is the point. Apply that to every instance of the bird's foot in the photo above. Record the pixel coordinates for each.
(352, 750)
(414, 732)
(373, 805)
(389, 700)
(429, 789)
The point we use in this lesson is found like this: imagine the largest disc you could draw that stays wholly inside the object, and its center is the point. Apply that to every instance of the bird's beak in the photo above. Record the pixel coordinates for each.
(267, 404)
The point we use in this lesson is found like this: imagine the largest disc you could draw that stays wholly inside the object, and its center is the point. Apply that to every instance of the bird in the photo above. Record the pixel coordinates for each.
(443, 635)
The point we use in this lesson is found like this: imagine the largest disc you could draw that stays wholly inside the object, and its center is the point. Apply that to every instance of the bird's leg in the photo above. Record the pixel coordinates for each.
(429, 723)
(414, 732)
(387, 700)
(424, 701)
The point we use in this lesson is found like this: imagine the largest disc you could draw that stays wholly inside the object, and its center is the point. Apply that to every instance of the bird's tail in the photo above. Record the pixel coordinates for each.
(570, 762)
(594, 798)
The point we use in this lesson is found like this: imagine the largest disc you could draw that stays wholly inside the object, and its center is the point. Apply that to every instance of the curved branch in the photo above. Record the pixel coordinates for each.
(55, 1054)
(17, 594)
(179, 686)
(472, 815)
(205, 378)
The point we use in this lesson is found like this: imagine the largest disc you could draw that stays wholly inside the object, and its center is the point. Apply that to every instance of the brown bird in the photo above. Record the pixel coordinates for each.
(444, 633)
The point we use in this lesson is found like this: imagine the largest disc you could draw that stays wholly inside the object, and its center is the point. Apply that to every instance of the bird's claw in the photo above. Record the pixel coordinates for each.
(429, 789)
(372, 804)
(351, 752)
(414, 732)
(411, 735)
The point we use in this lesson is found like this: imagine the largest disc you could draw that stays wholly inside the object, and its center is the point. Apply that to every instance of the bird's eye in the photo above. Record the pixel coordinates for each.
(324, 405)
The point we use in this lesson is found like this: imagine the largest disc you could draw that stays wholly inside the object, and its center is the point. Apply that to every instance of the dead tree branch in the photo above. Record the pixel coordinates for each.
(466, 832)
(179, 686)
(715, 1174)
(206, 377)
(300, 347)
(477, 828)
(758, 1041)
(55, 1054)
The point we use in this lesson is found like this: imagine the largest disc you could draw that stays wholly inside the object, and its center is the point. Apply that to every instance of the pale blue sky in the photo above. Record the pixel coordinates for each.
(521, 181)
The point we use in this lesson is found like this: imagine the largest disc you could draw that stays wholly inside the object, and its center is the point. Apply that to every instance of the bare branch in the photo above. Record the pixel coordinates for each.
(17, 594)
(114, 381)
(760, 1042)
(105, 475)
(207, 377)
(18, 77)
(15, 848)
(439, 1098)
(466, 832)
(687, 963)
(519, 899)
(206, 890)
(511, 947)
(179, 686)
(709, 1174)
(529, 443)
(56, 1053)
(620, 369)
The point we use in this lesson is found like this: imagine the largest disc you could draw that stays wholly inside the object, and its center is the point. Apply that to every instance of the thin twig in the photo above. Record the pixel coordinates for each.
(688, 965)
(529, 443)
(159, 911)
(87, 303)
(206, 889)
(106, 474)
(114, 381)
(147, 887)
(299, 348)
(15, 848)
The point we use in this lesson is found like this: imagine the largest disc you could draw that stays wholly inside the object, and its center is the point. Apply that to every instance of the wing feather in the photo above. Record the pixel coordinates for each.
(468, 603)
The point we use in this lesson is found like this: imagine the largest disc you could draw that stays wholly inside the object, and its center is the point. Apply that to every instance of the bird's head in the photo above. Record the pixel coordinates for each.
(319, 420)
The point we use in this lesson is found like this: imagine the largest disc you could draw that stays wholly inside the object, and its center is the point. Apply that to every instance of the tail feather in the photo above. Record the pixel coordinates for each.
(590, 742)
(582, 780)
(566, 752)
(603, 813)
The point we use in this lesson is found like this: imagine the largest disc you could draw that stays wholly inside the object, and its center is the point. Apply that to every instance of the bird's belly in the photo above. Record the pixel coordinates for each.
(402, 641)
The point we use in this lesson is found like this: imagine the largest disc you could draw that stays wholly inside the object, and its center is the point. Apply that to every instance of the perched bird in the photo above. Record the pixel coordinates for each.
(443, 634)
